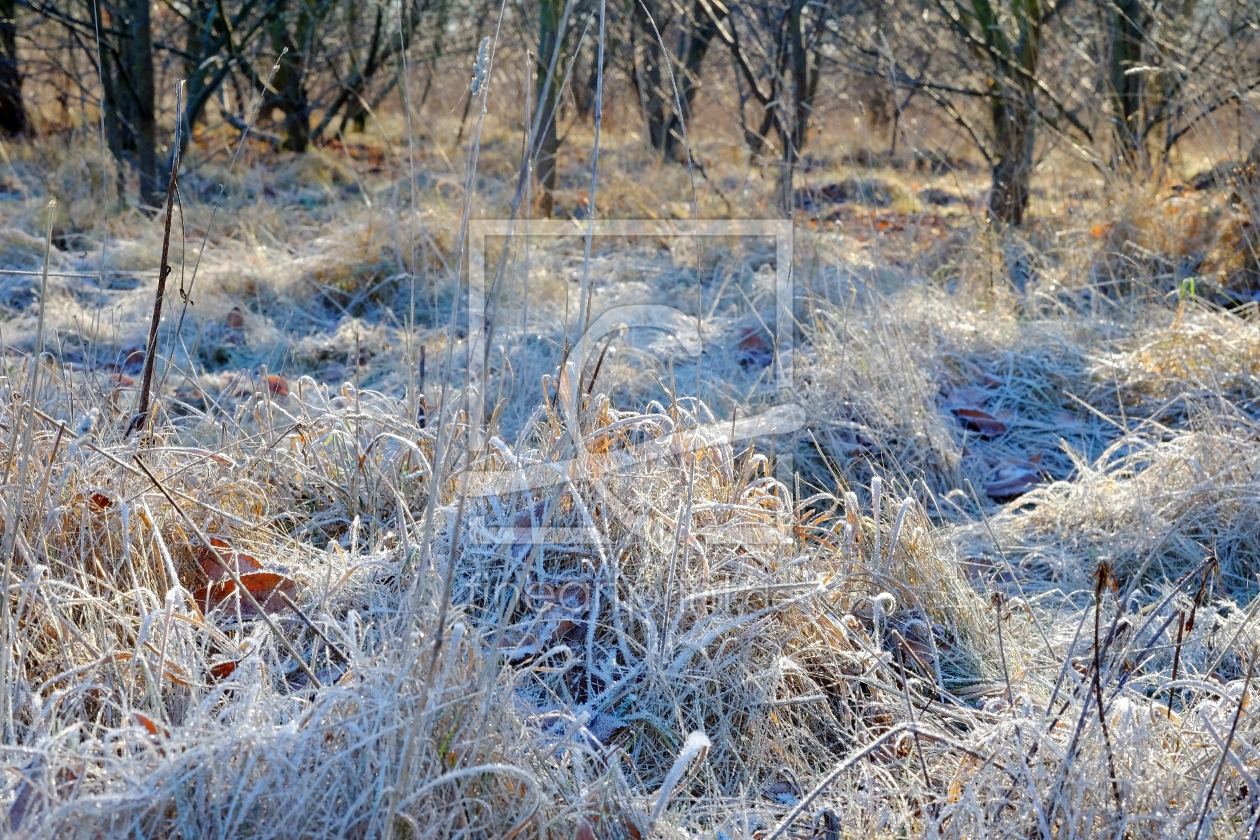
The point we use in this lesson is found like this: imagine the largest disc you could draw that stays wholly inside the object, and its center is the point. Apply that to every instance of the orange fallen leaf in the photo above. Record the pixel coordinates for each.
(148, 724)
(268, 588)
(222, 670)
(239, 561)
(277, 384)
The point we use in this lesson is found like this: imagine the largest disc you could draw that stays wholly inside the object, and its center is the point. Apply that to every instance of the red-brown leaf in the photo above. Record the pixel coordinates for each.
(266, 587)
(222, 670)
(277, 384)
(238, 561)
(100, 501)
(980, 421)
(1014, 486)
(147, 723)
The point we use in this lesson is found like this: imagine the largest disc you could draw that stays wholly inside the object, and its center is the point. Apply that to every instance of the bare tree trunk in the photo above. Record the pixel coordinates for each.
(290, 80)
(1012, 105)
(1013, 138)
(356, 112)
(794, 123)
(109, 103)
(704, 28)
(648, 80)
(800, 86)
(549, 35)
(12, 111)
(1125, 33)
(126, 66)
(140, 84)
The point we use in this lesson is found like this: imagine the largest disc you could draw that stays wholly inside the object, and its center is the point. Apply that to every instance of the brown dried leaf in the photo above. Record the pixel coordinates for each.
(240, 562)
(277, 384)
(266, 587)
(980, 421)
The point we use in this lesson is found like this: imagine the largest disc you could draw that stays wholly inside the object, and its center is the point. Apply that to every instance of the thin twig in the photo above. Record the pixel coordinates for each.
(1181, 626)
(1104, 577)
(150, 354)
(1233, 729)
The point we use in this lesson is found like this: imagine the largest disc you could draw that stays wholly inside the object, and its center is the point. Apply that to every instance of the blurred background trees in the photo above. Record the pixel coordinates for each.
(1117, 83)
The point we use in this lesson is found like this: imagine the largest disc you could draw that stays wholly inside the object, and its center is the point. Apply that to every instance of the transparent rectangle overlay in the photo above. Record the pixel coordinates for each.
(782, 419)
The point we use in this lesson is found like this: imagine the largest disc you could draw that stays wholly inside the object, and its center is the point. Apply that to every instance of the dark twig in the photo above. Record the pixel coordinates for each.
(1104, 578)
(336, 651)
(1181, 627)
(1233, 730)
(150, 354)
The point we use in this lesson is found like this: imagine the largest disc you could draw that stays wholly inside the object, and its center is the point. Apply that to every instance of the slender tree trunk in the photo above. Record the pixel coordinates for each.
(126, 65)
(804, 83)
(1013, 138)
(139, 60)
(549, 35)
(1012, 106)
(12, 111)
(704, 30)
(695, 46)
(109, 103)
(290, 80)
(800, 73)
(356, 112)
(1125, 32)
(648, 77)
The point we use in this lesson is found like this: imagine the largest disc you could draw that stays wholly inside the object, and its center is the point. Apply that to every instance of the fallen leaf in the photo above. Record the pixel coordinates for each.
(783, 791)
(980, 421)
(266, 587)
(1013, 479)
(239, 561)
(235, 318)
(968, 396)
(277, 384)
(1064, 418)
(100, 501)
(222, 670)
(148, 724)
(753, 349)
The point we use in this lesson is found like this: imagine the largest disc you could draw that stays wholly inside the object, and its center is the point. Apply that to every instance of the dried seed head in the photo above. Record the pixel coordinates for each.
(481, 67)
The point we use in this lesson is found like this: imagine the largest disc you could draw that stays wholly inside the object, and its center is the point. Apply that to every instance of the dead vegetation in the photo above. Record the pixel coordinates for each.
(1006, 586)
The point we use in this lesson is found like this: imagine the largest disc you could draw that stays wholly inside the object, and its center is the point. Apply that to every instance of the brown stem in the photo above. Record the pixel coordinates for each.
(150, 353)
(1104, 574)
(1181, 627)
